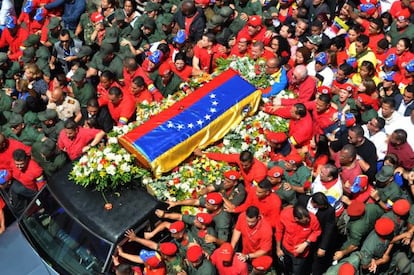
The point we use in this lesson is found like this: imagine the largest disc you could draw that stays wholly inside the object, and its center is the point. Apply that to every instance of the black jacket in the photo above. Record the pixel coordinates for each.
(197, 26)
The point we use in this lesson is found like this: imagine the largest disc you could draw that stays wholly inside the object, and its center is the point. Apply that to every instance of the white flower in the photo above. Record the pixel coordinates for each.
(127, 157)
(100, 167)
(111, 170)
(244, 146)
(112, 140)
(125, 167)
(226, 142)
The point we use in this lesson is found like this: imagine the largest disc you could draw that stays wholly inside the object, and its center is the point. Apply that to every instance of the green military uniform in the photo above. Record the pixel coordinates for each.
(207, 247)
(252, 7)
(411, 215)
(170, 88)
(87, 27)
(84, 93)
(222, 222)
(50, 165)
(9, 73)
(288, 197)
(299, 177)
(28, 135)
(399, 223)
(115, 66)
(236, 195)
(182, 247)
(391, 192)
(175, 265)
(205, 268)
(350, 102)
(358, 229)
(374, 247)
(53, 132)
(396, 34)
(5, 101)
(354, 259)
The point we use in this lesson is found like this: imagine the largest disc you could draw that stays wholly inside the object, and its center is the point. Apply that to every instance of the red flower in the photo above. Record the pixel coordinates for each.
(261, 131)
(194, 194)
(248, 126)
(176, 181)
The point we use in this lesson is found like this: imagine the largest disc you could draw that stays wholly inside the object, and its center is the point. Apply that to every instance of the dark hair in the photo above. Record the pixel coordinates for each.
(301, 109)
(410, 88)
(124, 269)
(317, 23)
(211, 37)
(379, 23)
(333, 170)
(180, 56)
(64, 32)
(358, 130)
(351, 149)
(252, 212)
(70, 124)
(363, 39)
(283, 53)
(388, 16)
(357, 28)
(392, 158)
(325, 98)
(115, 91)
(383, 44)
(139, 81)
(92, 102)
(108, 75)
(306, 53)
(300, 212)
(339, 42)
(389, 101)
(246, 156)
(401, 135)
(320, 199)
(19, 155)
(322, 147)
(380, 123)
(130, 63)
(406, 41)
(61, 78)
(370, 67)
(163, 47)
(265, 184)
(346, 68)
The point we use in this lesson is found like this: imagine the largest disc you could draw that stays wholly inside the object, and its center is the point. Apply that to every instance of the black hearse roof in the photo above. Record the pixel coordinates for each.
(130, 209)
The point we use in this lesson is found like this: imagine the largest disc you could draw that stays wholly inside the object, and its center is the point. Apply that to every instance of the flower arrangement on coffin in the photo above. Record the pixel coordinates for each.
(186, 180)
(250, 135)
(251, 70)
(108, 167)
(199, 80)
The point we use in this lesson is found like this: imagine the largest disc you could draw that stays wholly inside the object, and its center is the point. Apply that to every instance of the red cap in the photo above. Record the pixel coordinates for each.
(324, 90)
(202, 2)
(204, 218)
(348, 87)
(226, 252)
(401, 207)
(232, 175)
(97, 17)
(164, 68)
(365, 99)
(194, 253)
(384, 226)
(346, 269)
(403, 14)
(214, 198)
(262, 263)
(255, 20)
(245, 36)
(276, 137)
(356, 209)
(168, 249)
(275, 171)
(176, 227)
(154, 261)
(293, 158)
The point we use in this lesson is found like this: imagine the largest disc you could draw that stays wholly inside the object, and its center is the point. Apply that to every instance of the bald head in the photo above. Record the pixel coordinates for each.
(57, 95)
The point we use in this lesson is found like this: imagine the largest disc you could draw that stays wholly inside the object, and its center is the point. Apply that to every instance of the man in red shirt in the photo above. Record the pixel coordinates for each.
(75, 140)
(296, 230)
(121, 106)
(140, 92)
(27, 179)
(258, 51)
(255, 232)
(226, 262)
(7, 147)
(255, 30)
(252, 169)
(13, 37)
(399, 146)
(241, 47)
(262, 197)
(323, 114)
(107, 80)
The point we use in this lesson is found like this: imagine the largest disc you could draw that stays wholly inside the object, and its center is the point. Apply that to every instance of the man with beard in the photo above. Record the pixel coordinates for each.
(51, 125)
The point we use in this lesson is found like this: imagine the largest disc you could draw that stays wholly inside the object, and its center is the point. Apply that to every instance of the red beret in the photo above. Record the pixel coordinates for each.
(346, 269)
(97, 17)
(232, 175)
(401, 207)
(324, 90)
(365, 99)
(168, 249)
(293, 158)
(194, 253)
(262, 263)
(204, 218)
(214, 198)
(226, 252)
(255, 20)
(384, 226)
(154, 261)
(347, 87)
(275, 171)
(176, 227)
(402, 14)
(202, 2)
(276, 137)
(356, 209)
(164, 68)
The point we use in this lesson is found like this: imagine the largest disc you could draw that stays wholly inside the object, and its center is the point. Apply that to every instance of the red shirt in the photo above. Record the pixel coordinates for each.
(321, 120)
(402, 59)
(291, 233)
(74, 147)
(305, 91)
(144, 95)
(102, 93)
(122, 112)
(2, 203)
(405, 154)
(237, 267)
(6, 157)
(260, 36)
(208, 59)
(256, 173)
(184, 74)
(257, 238)
(269, 206)
(31, 177)
(128, 77)
(14, 42)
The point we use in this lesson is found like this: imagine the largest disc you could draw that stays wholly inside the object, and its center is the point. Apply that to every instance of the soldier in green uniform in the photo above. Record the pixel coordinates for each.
(151, 12)
(150, 32)
(50, 125)
(248, 7)
(81, 89)
(124, 29)
(168, 250)
(296, 174)
(386, 190)
(48, 156)
(288, 196)
(198, 264)
(231, 188)
(17, 130)
(105, 60)
(362, 221)
(54, 28)
(10, 71)
(167, 81)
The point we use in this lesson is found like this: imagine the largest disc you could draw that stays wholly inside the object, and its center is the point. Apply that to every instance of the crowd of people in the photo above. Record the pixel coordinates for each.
(336, 196)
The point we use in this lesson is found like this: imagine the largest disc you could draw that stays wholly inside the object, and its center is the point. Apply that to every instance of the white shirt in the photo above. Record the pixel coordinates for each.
(327, 73)
(408, 126)
(392, 123)
(404, 106)
(380, 141)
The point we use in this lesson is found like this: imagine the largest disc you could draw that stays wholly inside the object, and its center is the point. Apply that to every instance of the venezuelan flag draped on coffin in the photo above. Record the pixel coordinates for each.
(201, 118)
